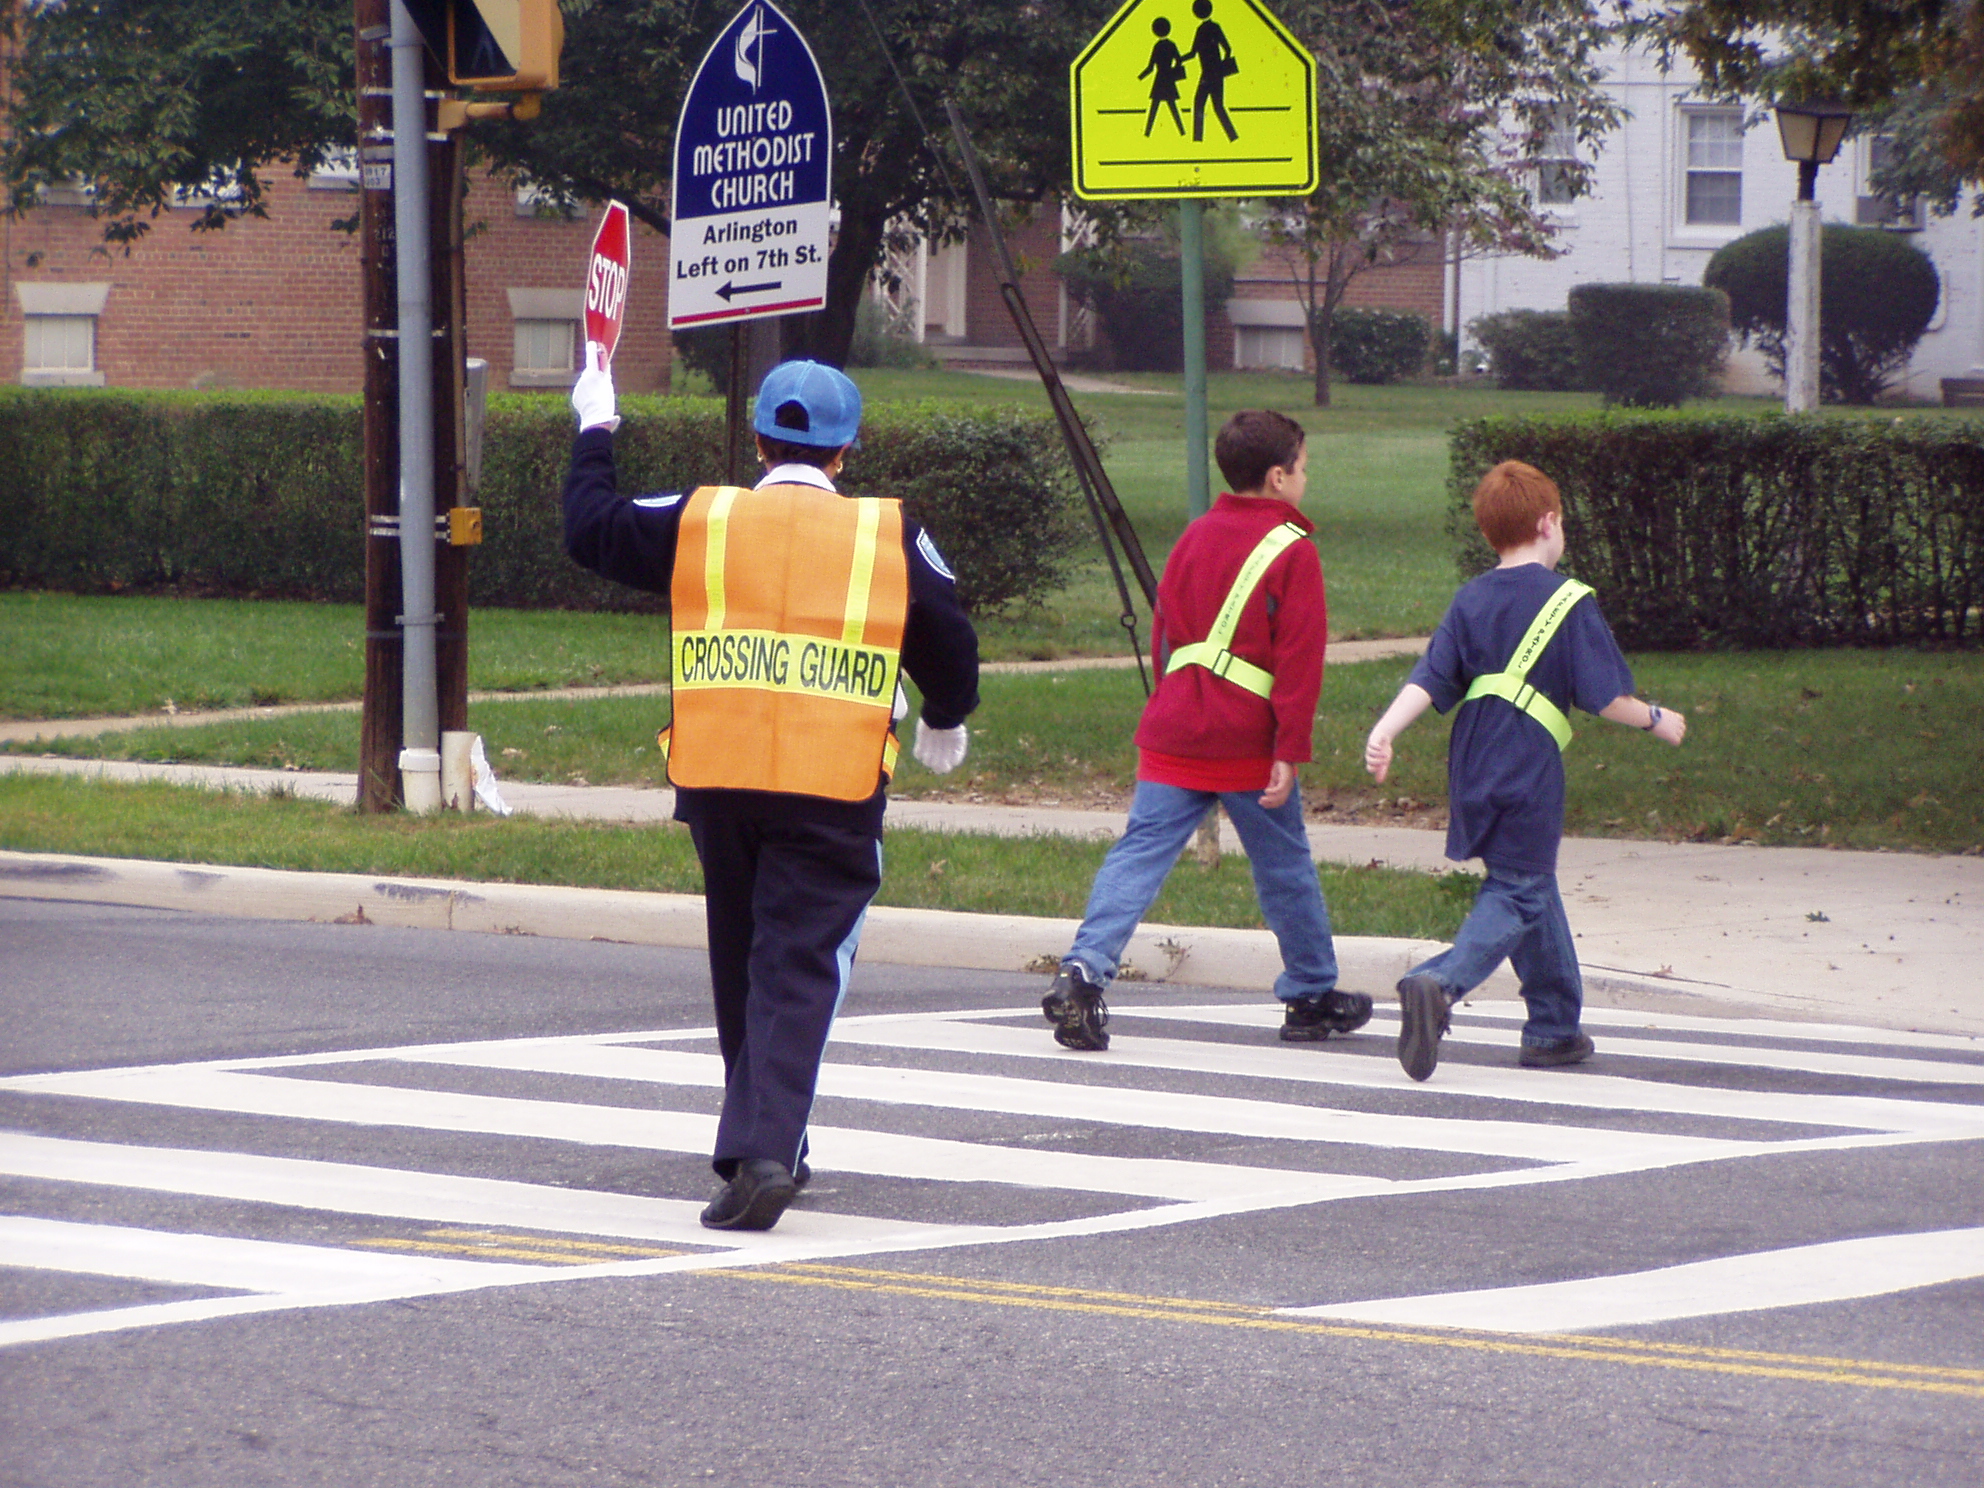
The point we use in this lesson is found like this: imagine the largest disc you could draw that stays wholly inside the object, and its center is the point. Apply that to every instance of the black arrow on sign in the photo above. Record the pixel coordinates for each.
(737, 289)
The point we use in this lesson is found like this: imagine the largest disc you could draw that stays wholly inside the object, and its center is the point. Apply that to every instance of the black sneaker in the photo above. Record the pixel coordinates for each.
(1573, 1050)
(1074, 1006)
(1307, 1020)
(1423, 1007)
(754, 1199)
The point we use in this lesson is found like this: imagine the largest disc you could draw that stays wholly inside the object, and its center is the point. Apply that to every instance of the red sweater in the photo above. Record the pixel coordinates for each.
(1195, 716)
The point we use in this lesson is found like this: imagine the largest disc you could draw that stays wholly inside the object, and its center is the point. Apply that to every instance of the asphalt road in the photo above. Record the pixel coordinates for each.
(299, 1204)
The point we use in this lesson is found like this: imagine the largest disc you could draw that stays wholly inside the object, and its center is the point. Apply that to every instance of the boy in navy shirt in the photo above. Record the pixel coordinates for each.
(1517, 648)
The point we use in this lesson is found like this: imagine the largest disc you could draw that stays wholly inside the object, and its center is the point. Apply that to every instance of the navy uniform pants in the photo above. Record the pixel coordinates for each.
(785, 901)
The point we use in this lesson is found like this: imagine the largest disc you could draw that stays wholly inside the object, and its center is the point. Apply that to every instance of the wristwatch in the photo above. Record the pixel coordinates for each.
(1653, 717)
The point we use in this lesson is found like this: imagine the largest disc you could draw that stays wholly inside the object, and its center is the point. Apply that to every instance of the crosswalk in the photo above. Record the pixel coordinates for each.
(227, 1201)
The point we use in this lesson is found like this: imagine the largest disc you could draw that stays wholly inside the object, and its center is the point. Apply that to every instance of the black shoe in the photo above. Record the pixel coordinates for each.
(1423, 1006)
(1573, 1050)
(754, 1199)
(1306, 1020)
(801, 1175)
(1074, 1006)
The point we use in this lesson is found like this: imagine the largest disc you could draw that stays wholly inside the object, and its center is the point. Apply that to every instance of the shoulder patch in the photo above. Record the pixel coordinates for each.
(669, 499)
(932, 557)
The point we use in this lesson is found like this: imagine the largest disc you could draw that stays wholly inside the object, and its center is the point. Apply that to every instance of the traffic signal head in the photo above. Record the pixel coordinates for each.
(502, 46)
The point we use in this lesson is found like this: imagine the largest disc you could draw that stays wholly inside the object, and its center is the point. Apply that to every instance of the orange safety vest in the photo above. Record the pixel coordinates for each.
(789, 606)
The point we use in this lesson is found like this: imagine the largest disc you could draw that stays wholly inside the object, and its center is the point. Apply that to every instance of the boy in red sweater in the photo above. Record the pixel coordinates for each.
(1238, 640)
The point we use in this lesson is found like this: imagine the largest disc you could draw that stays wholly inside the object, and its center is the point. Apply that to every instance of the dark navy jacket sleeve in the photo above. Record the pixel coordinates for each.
(630, 542)
(939, 647)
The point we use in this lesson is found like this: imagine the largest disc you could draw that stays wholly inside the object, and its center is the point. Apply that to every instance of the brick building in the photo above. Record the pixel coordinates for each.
(274, 303)
(949, 299)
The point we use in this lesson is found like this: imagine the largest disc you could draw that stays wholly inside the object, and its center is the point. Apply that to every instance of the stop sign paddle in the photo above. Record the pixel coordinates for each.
(606, 282)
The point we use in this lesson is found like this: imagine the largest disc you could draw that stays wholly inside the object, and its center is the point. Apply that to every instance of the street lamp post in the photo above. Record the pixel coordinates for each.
(1811, 133)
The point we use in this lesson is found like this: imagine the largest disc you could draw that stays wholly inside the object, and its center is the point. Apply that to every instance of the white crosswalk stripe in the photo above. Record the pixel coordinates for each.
(1277, 1127)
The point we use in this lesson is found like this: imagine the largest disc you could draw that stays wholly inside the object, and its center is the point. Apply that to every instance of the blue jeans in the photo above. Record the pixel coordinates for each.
(1518, 917)
(1162, 820)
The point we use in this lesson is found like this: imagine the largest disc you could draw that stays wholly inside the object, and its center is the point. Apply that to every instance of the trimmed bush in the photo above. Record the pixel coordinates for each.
(1377, 346)
(262, 496)
(1649, 345)
(1877, 294)
(1754, 531)
(1530, 351)
(1134, 291)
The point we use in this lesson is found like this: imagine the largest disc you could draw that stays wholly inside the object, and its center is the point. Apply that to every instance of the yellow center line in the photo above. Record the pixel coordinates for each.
(549, 1242)
(495, 1245)
(1866, 1373)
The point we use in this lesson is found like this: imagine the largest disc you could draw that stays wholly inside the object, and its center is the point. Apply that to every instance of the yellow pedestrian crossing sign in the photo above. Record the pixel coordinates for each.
(1194, 98)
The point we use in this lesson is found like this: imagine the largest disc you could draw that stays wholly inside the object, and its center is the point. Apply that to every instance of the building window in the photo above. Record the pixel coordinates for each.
(60, 344)
(545, 324)
(1270, 334)
(58, 333)
(1874, 209)
(1278, 347)
(544, 346)
(1556, 166)
(1715, 167)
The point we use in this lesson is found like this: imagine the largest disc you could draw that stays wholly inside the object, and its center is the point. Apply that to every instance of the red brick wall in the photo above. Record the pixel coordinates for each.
(274, 303)
(1034, 245)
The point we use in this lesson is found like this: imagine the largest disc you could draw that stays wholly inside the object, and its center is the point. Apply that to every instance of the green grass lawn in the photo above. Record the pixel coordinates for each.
(956, 871)
(1862, 749)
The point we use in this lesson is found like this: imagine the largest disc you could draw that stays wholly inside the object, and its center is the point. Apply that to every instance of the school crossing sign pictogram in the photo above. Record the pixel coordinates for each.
(1177, 98)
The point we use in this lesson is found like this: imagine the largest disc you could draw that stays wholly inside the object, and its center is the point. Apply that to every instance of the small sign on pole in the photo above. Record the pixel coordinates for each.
(606, 281)
(1217, 102)
(753, 178)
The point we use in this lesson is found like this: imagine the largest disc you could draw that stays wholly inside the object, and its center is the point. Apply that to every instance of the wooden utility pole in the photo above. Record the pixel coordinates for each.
(381, 729)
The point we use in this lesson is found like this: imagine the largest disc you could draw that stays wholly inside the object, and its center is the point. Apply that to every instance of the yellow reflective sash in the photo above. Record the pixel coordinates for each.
(1214, 653)
(1512, 683)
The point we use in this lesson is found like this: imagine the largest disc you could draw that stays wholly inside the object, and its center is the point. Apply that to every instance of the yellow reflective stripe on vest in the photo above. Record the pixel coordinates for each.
(862, 577)
(1213, 652)
(771, 661)
(1512, 683)
(716, 551)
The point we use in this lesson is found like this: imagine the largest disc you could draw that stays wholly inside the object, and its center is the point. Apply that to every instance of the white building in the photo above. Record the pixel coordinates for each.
(1683, 176)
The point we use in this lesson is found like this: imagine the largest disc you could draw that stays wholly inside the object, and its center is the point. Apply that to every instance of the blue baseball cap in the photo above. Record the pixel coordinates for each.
(808, 403)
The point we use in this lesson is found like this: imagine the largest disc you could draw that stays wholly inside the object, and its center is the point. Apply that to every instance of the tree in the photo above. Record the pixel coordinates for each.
(1433, 116)
(147, 101)
(1913, 69)
(1877, 295)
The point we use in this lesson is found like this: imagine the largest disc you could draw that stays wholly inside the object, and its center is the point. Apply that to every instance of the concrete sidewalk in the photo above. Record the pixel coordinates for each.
(1883, 939)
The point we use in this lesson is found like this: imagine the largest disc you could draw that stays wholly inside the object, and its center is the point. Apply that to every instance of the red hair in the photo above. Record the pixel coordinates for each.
(1511, 500)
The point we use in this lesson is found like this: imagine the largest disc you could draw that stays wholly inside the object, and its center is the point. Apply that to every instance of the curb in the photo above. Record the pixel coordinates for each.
(1187, 955)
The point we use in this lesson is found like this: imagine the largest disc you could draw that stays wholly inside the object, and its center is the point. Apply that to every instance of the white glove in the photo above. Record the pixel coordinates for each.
(941, 750)
(592, 394)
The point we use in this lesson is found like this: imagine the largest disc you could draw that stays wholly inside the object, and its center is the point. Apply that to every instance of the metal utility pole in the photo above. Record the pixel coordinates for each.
(420, 752)
(392, 553)
(1192, 271)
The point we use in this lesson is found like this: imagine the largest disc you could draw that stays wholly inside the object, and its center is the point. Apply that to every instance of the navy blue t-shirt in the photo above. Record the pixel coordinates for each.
(1505, 773)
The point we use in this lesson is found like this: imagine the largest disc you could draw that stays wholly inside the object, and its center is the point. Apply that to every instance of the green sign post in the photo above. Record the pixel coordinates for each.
(1193, 99)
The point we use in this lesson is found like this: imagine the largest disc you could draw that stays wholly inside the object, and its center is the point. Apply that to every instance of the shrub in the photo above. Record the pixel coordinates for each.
(1133, 288)
(1530, 350)
(1723, 530)
(877, 344)
(1649, 345)
(1377, 346)
(1877, 295)
(706, 351)
(262, 495)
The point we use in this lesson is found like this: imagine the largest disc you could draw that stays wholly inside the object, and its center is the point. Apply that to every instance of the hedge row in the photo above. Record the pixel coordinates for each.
(261, 495)
(1716, 530)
